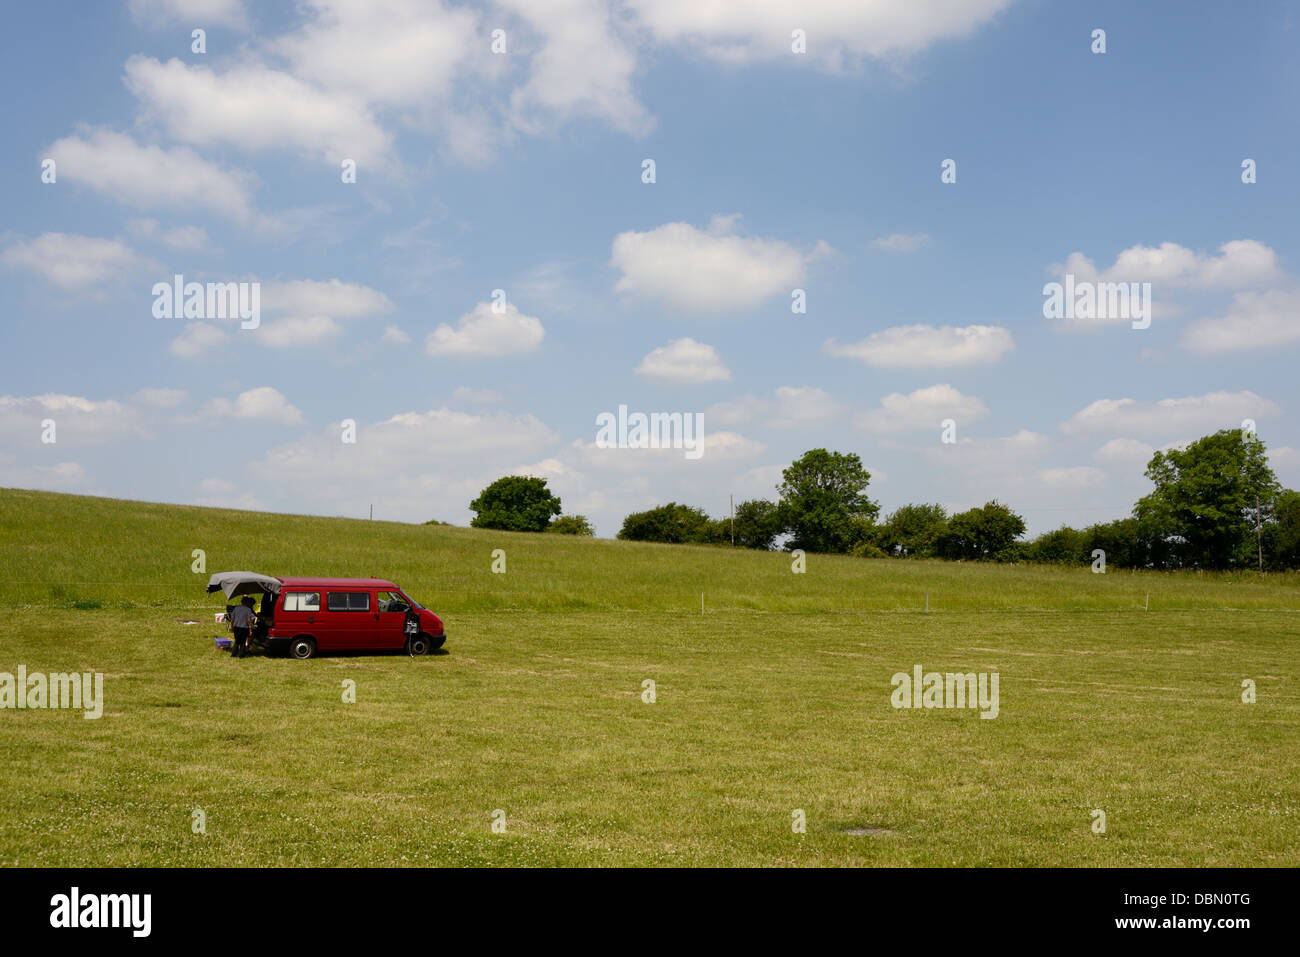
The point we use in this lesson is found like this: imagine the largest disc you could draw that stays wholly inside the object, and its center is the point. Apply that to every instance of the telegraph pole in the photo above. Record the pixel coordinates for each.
(732, 497)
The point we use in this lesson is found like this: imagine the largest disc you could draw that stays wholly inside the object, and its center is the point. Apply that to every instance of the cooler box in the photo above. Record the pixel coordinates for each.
(223, 644)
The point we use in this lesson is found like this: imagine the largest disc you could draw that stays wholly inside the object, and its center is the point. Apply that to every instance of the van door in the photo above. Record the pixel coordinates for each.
(390, 619)
(349, 618)
(298, 612)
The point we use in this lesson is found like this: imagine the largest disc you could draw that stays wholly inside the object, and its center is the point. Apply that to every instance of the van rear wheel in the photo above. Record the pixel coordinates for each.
(302, 648)
(417, 644)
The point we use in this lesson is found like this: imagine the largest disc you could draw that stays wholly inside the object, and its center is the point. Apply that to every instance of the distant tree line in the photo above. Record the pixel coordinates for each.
(1216, 505)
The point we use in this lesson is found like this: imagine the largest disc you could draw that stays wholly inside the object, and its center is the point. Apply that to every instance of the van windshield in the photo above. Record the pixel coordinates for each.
(414, 603)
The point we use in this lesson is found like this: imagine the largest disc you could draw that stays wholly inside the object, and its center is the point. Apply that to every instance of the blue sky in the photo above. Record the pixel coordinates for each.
(522, 171)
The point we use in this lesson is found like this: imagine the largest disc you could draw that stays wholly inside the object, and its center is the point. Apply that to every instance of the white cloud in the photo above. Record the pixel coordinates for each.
(393, 52)
(196, 339)
(253, 107)
(77, 420)
(838, 31)
(67, 259)
(1255, 320)
(297, 331)
(150, 177)
(1126, 451)
(333, 298)
(485, 333)
(1077, 476)
(190, 13)
(910, 347)
(263, 404)
(711, 270)
(394, 335)
(582, 69)
(901, 242)
(60, 477)
(1242, 262)
(923, 409)
(790, 407)
(684, 361)
(1190, 414)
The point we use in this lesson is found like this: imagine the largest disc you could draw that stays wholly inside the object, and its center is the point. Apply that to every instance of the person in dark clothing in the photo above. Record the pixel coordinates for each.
(241, 626)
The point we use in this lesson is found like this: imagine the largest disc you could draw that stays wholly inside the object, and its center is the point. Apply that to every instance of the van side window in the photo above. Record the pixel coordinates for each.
(302, 601)
(349, 601)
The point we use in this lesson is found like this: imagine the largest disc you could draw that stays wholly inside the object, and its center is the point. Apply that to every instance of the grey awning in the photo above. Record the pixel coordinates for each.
(243, 583)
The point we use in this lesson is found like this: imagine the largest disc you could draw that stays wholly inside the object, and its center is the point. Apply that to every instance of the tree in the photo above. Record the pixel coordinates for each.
(758, 523)
(912, 531)
(1063, 546)
(572, 525)
(820, 493)
(669, 523)
(1206, 499)
(1282, 535)
(988, 532)
(515, 503)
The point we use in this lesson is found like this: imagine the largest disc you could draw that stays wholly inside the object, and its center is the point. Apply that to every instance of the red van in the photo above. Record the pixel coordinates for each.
(301, 616)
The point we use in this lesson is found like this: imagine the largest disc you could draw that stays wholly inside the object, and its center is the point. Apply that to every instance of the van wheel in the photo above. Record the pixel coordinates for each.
(417, 644)
(302, 648)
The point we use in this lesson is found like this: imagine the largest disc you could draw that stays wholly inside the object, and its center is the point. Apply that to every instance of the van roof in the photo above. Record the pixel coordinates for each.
(337, 582)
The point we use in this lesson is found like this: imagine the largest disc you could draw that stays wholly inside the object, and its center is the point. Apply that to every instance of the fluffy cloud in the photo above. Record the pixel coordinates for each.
(394, 335)
(838, 31)
(484, 333)
(684, 361)
(713, 270)
(253, 107)
(1187, 415)
(263, 404)
(1126, 451)
(582, 69)
(922, 409)
(78, 421)
(1242, 262)
(196, 339)
(67, 259)
(421, 44)
(1255, 320)
(150, 177)
(910, 347)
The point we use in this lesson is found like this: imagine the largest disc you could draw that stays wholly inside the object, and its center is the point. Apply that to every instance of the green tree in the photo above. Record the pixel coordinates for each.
(911, 531)
(758, 523)
(1205, 499)
(987, 532)
(669, 523)
(1282, 535)
(820, 494)
(1062, 546)
(572, 525)
(515, 503)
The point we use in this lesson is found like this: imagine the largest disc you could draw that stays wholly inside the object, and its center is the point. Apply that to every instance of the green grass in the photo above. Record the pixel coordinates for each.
(775, 698)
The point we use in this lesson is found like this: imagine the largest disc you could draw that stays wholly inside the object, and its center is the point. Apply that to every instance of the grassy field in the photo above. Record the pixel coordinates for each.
(772, 697)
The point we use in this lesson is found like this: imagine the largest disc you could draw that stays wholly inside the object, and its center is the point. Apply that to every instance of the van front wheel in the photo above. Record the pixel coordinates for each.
(302, 648)
(417, 644)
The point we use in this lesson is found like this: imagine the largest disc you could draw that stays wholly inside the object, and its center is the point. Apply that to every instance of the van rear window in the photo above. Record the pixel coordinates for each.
(349, 601)
(302, 601)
